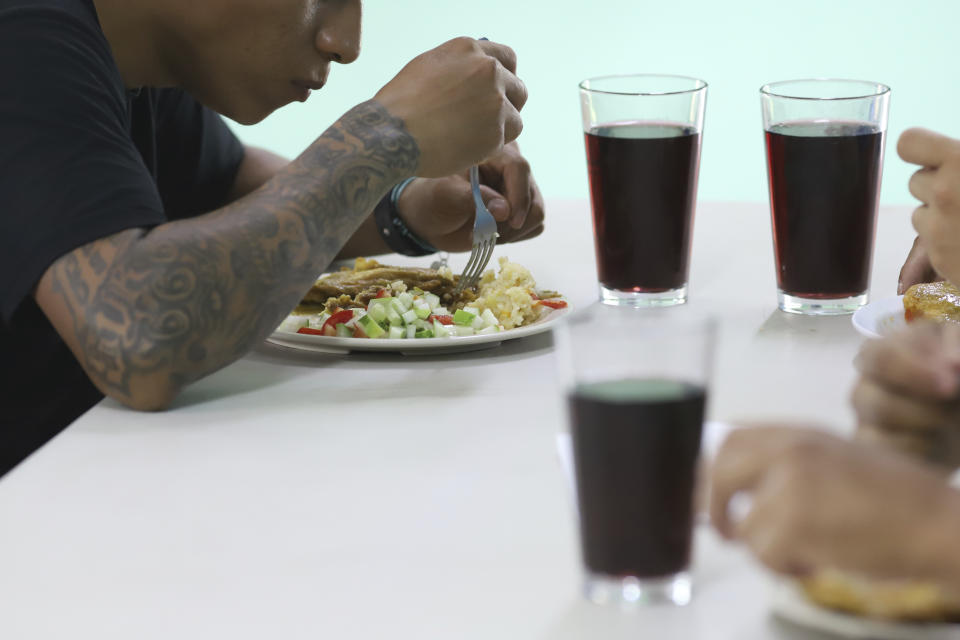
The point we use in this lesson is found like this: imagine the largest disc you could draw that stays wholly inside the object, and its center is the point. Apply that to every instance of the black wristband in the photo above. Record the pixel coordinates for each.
(395, 233)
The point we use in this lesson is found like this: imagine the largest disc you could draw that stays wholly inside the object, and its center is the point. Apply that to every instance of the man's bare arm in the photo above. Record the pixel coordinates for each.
(146, 313)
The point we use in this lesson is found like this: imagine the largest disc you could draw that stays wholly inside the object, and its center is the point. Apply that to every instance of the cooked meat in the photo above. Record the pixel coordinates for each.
(356, 287)
(937, 301)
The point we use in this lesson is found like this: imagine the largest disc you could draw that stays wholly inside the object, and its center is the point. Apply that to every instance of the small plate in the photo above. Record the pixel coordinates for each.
(425, 346)
(788, 603)
(880, 317)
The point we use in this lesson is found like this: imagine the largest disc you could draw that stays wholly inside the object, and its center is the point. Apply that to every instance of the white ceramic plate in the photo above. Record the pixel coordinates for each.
(790, 604)
(880, 317)
(426, 346)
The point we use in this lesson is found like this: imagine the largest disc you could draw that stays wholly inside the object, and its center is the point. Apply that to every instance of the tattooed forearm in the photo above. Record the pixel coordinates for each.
(169, 306)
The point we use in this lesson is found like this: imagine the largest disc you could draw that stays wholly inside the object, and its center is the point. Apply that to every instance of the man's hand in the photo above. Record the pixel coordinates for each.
(461, 103)
(907, 394)
(441, 210)
(916, 269)
(821, 502)
(937, 186)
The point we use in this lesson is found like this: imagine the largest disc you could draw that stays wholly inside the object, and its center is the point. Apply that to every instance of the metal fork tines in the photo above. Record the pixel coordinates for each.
(484, 238)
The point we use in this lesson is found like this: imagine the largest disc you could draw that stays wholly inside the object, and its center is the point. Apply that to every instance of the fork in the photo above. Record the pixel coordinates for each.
(484, 238)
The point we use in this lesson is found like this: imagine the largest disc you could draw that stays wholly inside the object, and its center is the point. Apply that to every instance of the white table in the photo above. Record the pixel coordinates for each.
(377, 496)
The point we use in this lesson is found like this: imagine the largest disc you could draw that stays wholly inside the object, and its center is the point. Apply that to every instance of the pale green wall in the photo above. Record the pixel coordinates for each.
(735, 46)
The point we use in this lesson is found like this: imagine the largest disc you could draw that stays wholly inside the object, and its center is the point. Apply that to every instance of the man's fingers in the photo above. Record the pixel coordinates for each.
(924, 147)
(922, 220)
(882, 407)
(921, 185)
(497, 205)
(916, 268)
(503, 53)
(739, 466)
(512, 125)
(518, 189)
(899, 364)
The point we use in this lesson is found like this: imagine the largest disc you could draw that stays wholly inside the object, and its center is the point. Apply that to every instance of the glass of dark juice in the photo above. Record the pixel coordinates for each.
(636, 390)
(642, 135)
(825, 143)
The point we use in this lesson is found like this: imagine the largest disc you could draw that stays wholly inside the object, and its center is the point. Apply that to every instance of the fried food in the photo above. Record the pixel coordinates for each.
(936, 301)
(889, 599)
(355, 287)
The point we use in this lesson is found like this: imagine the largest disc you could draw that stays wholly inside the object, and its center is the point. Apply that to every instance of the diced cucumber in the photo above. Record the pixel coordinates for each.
(423, 333)
(441, 311)
(394, 318)
(370, 327)
(397, 332)
(386, 300)
(422, 324)
(440, 330)
(472, 310)
(463, 331)
(432, 299)
(378, 312)
(406, 299)
(489, 320)
(488, 330)
(463, 318)
(478, 323)
(398, 305)
(343, 331)
(411, 331)
(317, 322)
(409, 316)
(422, 311)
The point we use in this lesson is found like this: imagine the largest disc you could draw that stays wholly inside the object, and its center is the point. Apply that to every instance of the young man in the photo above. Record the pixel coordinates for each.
(143, 247)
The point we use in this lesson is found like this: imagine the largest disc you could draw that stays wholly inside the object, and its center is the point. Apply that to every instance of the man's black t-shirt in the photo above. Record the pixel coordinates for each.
(81, 158)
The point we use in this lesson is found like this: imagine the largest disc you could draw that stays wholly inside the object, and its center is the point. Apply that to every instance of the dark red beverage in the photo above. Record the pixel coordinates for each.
(643, 184)
(824, 190)
(635, 444)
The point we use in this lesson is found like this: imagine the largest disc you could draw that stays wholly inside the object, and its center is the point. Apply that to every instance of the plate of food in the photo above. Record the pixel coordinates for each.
(416, 310)
(843, 605)
(933, 301)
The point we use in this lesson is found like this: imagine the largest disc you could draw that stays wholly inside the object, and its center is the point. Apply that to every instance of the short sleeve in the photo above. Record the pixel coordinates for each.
(198, 156)
(69, 171)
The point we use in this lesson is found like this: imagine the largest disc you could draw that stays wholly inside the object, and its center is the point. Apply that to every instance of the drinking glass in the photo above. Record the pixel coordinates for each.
(642, 135)
(825, 142)
(636, 390)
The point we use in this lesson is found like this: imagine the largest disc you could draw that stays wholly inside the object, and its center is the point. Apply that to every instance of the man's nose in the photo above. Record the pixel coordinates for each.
(339, 35)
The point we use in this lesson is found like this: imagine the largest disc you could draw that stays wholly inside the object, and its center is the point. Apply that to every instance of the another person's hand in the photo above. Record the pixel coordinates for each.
(820, 502)
(461, 102)
(916, 269)
(441, 210)
(908, 394)
(937, 186)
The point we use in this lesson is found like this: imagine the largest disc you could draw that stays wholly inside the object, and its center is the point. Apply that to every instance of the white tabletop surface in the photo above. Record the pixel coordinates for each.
(297, 495)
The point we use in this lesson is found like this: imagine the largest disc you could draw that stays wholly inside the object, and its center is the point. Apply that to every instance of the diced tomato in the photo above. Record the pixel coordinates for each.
(310, 332)
(441, 319)
(534, 296)
(329, 327)
(383, 293)
(553, 304)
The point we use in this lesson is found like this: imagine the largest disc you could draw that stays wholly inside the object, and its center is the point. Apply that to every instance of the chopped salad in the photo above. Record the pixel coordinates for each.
(400, 314)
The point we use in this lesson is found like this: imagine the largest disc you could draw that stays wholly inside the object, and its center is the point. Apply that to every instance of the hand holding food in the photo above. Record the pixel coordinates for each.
(824, 504)
(461, 102)
(937, 186)
(908, 394)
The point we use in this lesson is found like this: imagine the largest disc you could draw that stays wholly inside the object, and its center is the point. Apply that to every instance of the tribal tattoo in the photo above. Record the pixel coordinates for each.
(173, 304)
